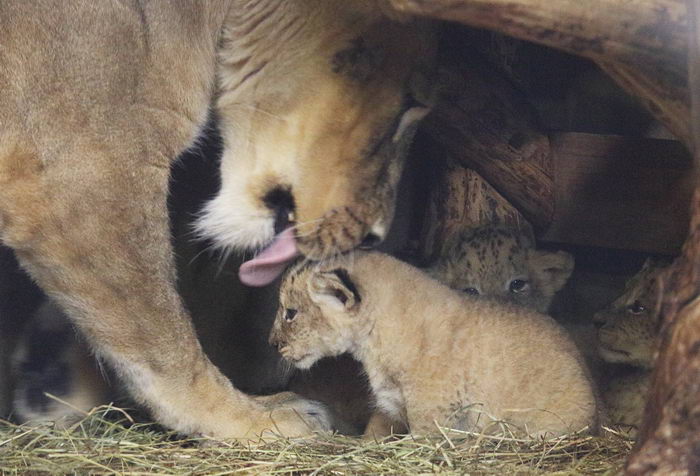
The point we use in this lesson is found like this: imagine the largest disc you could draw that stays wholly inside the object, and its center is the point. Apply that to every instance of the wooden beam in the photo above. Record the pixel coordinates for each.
(669, 440)
(633, 32)
(459, 198)
(617, 192)
(642, 44)
(483, 123)
(668, 102)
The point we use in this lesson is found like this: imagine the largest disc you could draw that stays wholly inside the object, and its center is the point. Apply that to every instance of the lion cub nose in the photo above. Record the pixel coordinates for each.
(275, 341)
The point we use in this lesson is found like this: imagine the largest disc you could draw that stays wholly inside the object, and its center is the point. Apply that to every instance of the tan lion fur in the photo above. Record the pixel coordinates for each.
(433, 355)
(628, 335)
(99, 98)
(489, 260)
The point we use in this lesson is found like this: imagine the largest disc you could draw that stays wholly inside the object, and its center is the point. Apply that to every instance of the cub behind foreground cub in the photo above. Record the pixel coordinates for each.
(317, 102)
(502, 263)
(433, 354)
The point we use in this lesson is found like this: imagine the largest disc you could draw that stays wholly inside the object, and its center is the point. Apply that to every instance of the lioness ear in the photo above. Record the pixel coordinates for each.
(552, 269)
(409, 120)
(334, 289)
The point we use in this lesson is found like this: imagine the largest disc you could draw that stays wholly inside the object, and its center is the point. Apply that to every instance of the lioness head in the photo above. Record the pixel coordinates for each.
(318, 105)
(628, 327)
(502, 264)
(319, 315)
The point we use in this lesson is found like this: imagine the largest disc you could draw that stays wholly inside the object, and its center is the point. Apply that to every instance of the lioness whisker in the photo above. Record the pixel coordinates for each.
(257, 109)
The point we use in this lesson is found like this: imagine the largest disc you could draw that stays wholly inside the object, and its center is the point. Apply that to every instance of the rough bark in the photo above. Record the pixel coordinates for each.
(484, 124)
(620, 192)
(641, 43)
(460, 198)
(634, 32)
(669, 440)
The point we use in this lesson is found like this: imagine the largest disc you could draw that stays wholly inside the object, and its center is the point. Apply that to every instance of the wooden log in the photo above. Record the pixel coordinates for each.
(641, 43)
(484, 124)
(19, 298)
(633, 32)
(667, 101)
(459, 198)
(669, 440)
(617, 192)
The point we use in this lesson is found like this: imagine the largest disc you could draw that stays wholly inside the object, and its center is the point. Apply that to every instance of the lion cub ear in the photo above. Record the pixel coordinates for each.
(551, 268)
(334, 289)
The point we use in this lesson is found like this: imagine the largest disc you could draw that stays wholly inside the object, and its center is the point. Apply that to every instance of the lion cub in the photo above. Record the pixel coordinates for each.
(627, 335)
(503, 264)
(433, 355)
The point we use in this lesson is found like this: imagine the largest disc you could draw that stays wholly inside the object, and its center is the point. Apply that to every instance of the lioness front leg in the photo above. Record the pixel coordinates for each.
(92, 229)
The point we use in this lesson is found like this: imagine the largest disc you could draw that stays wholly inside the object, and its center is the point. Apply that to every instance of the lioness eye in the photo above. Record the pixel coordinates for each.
(636, 308)
(472, 291)
(517, 285)
(289, 314)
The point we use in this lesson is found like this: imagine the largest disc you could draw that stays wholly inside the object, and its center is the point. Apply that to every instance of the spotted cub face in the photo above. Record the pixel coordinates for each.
(503, 264)
(318, 315)
(628, 327)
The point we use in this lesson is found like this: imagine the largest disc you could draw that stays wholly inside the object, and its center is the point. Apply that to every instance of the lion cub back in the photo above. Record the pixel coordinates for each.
(502, 263)
(433, 354)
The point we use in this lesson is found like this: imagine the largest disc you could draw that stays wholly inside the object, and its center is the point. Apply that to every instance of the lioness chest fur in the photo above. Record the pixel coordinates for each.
(431, 354)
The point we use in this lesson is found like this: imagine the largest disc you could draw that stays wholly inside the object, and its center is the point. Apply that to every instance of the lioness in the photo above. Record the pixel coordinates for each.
(502, 263)
(432, 354)
(317, 102)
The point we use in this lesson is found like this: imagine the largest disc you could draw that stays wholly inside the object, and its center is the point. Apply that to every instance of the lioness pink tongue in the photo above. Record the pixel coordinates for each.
(264, 268)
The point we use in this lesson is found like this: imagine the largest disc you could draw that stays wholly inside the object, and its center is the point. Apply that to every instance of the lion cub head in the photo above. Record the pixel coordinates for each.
(629, 326)
(318, 105)
(503, 264)
(319, 315)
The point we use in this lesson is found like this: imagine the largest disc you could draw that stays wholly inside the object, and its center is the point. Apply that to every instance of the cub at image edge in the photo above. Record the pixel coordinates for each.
(432, 354)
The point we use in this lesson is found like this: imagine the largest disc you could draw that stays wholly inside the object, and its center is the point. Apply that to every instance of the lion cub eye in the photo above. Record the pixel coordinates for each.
(472, 291)
(518, 286)
(636, 308)
(289, 314)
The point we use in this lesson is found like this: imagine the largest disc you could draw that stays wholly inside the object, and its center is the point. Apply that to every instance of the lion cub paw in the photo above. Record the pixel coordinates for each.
(293, 416)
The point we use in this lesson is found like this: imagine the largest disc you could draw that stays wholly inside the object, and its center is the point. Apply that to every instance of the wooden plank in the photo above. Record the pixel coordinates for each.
(485, 124)
(617, 192)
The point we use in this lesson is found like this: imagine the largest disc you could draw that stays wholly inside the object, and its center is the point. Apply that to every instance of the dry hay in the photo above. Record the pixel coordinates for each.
(107, 444)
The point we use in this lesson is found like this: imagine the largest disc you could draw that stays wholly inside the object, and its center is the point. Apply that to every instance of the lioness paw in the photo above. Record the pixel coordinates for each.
(291, 416)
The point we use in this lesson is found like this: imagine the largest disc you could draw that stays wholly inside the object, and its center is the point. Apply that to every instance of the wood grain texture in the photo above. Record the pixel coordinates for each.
(668, 100)
(632, 32)
(624, 193)
(642, 44)
(484, 124)
(460, 198)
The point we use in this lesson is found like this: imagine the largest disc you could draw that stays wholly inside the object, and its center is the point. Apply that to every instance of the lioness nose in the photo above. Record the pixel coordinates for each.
(281, 202)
